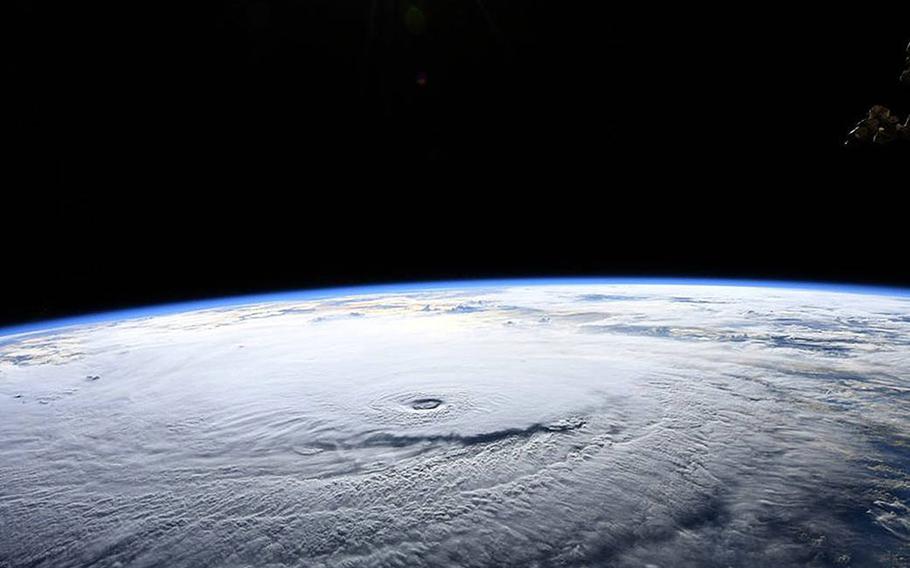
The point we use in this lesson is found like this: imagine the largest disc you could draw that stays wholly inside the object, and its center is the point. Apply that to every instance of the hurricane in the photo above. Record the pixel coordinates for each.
(521, 423)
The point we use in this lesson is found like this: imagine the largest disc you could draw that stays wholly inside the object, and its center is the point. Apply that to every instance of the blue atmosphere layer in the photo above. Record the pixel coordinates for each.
(324, 293)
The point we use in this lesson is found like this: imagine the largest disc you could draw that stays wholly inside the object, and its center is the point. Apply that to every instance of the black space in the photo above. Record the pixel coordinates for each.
(173, 151)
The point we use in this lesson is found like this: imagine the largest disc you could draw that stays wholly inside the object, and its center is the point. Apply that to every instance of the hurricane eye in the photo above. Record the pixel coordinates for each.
(425, 403)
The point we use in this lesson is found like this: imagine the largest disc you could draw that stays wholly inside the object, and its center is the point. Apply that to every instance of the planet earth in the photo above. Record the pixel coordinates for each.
(503, 423)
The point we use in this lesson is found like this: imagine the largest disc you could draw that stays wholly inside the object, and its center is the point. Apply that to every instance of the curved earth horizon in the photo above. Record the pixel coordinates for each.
(559, 422)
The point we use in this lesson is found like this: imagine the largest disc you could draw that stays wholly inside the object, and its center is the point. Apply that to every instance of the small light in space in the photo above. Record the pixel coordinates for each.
(415, 20)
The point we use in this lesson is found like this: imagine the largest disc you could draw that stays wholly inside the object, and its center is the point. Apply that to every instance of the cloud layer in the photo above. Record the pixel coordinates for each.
(566, 425)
